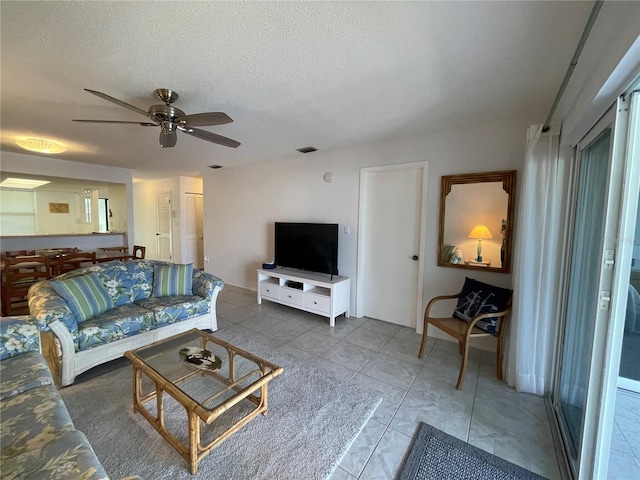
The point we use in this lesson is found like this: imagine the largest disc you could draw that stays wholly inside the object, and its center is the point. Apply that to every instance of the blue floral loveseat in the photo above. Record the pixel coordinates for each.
(94, 314)
(37, 437)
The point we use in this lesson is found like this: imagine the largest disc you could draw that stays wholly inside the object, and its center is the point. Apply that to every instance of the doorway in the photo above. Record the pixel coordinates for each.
(163, 227)
(104, 213)
(194, 237)
(391, 243)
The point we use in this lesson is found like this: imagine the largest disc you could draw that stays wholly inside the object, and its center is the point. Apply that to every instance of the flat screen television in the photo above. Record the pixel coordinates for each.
(307, 246)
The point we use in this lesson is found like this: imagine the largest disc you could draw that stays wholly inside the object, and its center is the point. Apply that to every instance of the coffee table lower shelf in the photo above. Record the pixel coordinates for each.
(196, 410)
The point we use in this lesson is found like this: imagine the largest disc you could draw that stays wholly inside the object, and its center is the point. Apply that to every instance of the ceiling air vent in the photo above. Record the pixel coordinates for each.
(307, 149)
(215, 166)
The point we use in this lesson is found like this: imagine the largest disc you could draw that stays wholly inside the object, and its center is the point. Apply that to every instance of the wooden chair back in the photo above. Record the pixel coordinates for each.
(73, 261)
(18, 275)
(16, 253)
(139, 251)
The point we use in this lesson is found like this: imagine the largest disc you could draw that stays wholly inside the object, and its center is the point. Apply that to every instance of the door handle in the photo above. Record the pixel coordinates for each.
(415, 257)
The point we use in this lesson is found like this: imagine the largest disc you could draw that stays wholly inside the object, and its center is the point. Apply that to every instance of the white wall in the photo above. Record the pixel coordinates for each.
(53, 223)
(144, 196)
(241, 203)
(57, 167)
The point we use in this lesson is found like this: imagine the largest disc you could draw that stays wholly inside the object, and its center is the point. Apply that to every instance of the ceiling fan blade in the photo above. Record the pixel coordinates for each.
(120, 102)
(168, 139)
(209, 137)
(204, 119)
(144, 124)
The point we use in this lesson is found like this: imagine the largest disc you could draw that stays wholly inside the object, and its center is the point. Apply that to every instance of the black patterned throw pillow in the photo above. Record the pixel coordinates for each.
(478, 297)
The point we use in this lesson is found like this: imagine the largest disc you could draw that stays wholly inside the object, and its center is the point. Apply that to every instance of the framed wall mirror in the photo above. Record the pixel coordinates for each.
(476, 221)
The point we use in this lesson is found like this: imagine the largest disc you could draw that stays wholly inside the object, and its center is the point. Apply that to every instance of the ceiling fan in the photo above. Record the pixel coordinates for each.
(171, 119)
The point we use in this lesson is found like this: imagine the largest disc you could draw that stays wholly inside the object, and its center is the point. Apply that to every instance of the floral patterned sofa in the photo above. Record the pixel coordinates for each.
(37, 437)
(94, 314)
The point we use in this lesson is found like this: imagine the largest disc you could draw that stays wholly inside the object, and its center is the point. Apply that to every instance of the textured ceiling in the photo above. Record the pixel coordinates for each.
(290, 74)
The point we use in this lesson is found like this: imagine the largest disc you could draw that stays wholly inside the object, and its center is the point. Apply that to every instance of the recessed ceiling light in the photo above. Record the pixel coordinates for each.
(41, 145)
(22, 183)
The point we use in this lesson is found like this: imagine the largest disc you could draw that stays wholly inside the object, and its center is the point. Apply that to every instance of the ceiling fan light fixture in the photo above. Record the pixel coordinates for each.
(170, 119)
(41, 145)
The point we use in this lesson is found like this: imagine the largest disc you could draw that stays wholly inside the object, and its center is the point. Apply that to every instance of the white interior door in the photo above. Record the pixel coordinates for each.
(163, 227)
(391, 243)
(193, 242)
(199, 232)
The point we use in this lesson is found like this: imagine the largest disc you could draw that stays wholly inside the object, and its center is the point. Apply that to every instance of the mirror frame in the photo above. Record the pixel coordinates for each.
(508, 180)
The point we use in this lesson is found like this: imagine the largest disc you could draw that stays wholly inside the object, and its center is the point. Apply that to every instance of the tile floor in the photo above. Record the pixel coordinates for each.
(382, 357)
(624, 456)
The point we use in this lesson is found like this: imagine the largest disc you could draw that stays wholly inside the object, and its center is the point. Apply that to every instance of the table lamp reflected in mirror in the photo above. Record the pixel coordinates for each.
(480, 232)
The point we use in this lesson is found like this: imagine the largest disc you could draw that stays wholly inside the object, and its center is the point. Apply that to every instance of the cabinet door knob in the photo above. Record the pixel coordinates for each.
(415, 257)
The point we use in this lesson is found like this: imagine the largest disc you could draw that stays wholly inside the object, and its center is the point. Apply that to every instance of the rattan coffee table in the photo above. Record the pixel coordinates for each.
(217, 384)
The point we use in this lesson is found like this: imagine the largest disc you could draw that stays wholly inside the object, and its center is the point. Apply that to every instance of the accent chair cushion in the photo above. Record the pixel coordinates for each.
(85, 295)
(170, 280)
(477, 298)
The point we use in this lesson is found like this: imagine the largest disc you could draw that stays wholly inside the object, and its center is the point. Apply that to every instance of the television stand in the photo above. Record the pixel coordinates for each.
(322, 294)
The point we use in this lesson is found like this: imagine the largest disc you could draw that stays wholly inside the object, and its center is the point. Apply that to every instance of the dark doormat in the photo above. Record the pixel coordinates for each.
(437, 455)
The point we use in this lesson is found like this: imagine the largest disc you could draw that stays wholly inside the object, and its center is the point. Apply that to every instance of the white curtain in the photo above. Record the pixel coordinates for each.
(541, 237)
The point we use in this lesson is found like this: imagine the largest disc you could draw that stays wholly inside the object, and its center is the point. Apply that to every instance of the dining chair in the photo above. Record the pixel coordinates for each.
(73, 261)
(482, 310)
(139, 251)
(18, 275)
(16, 253)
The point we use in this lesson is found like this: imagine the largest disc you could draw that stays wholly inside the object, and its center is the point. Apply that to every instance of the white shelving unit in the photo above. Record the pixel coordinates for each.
(316, 293)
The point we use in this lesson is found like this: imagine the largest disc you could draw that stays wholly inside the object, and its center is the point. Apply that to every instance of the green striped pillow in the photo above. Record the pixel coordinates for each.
(85, 295)
(169, 280)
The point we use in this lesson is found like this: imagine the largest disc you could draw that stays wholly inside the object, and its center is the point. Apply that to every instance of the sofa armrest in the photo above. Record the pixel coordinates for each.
(18, 335)
(204, 284)
(47, 306)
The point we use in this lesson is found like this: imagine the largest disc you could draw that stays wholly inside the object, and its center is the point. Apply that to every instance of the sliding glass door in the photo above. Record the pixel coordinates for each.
(629, 374)
(597, 281)
(582, 297)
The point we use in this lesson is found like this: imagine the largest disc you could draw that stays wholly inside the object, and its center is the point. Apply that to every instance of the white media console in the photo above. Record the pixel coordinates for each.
(312, 292)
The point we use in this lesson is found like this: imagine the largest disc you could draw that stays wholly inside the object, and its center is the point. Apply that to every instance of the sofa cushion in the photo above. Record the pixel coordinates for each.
(85, 295)
(141, 271)
(477, 298)
(174, 309)
(114, 324)
(65, 457)
(23, 372)
(170, 280)
(31, 420)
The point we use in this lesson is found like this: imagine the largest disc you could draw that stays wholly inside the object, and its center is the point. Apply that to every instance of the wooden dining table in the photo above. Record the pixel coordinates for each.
(100, 257)
(113, 255)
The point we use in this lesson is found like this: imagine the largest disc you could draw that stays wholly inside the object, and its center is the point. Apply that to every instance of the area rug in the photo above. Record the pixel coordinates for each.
(435, 455)
(312, 421)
